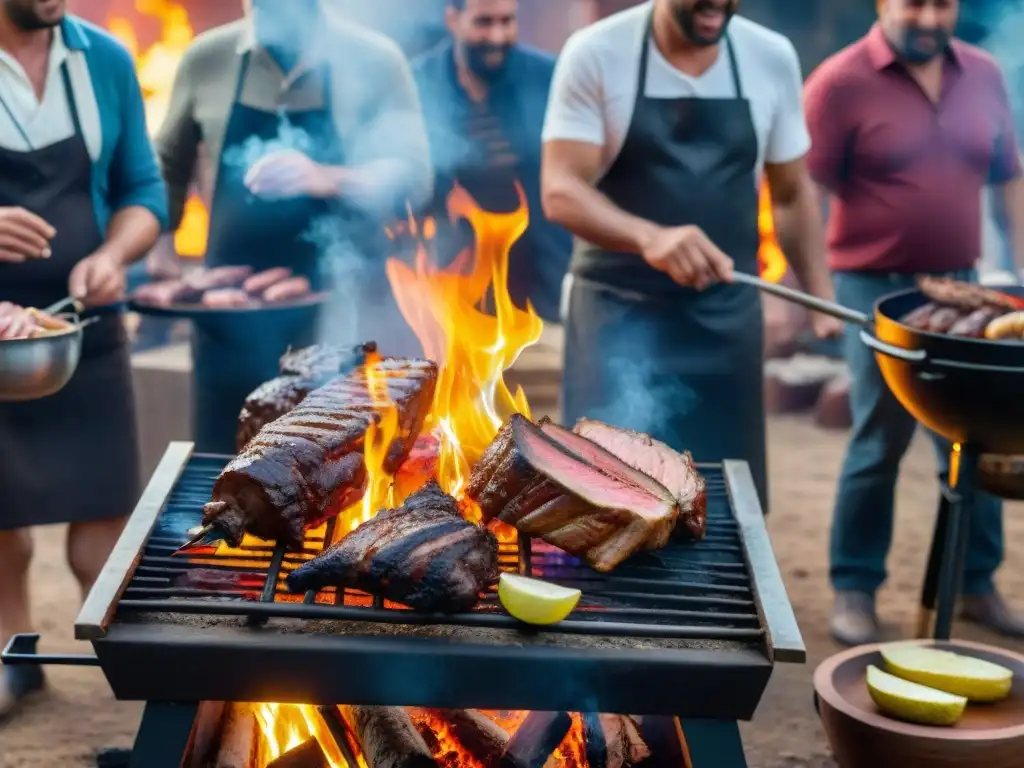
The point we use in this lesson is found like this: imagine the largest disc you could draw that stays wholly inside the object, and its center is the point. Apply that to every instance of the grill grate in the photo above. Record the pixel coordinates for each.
(686, 590)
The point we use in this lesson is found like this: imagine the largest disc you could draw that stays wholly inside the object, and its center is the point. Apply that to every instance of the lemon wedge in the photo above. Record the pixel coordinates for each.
(914, 703)
(534, 601)
(976, 679)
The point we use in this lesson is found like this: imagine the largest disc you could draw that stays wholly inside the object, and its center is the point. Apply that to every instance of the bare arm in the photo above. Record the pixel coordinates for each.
(798, 224)
(569, 170)
(131, 233)
(177, 141)
(1008, 212)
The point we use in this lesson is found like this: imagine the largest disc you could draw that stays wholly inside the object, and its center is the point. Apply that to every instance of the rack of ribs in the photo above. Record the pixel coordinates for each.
(306, 466)
(553, 483)
(423, 554)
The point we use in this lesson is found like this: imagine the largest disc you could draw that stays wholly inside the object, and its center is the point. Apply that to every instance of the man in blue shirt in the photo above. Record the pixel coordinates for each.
(483, 97)
(81, 198)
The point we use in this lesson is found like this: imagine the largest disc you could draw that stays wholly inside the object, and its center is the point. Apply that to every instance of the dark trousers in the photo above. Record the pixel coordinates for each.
(882, 430)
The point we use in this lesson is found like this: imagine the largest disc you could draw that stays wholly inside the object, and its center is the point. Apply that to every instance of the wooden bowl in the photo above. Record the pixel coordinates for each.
(988, 735)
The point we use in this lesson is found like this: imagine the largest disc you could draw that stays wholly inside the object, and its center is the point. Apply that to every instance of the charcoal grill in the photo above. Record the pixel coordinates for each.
(692, 631)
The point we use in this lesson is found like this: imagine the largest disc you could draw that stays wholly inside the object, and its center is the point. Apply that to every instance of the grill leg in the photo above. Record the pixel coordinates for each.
(963, 476)
(164, 735)
(713, 744)
(936, 556)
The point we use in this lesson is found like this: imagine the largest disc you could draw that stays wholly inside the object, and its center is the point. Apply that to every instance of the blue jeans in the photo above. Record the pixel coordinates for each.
(882, 430)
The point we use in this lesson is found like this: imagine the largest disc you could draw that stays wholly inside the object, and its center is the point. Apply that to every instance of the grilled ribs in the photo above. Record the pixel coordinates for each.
(308, 465)
(552, 483)
(302, 371)
(423, 554)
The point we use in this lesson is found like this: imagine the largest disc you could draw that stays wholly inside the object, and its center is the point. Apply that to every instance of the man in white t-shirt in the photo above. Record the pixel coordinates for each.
(660, 123)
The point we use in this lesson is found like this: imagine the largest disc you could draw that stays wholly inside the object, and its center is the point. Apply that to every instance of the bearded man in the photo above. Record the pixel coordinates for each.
(484, 96)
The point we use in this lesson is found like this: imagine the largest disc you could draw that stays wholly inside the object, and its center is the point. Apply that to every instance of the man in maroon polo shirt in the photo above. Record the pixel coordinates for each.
(908, 128)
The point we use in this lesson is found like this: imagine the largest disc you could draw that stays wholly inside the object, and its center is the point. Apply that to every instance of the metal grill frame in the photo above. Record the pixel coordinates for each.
(148, 660)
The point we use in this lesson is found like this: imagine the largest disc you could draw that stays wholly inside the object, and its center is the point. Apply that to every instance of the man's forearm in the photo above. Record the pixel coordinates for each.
(587, 213)
(801, 236)
(131, 233)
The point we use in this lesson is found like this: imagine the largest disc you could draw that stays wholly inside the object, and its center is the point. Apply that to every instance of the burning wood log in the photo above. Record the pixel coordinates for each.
(476, 733)
(613, 741)
(239, 742)
(309, 754)
(535, 740)
(388, 737)
(208, 728)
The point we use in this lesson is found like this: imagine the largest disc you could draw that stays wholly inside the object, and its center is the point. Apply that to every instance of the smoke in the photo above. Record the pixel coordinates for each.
(644, 399)
(1004, 24)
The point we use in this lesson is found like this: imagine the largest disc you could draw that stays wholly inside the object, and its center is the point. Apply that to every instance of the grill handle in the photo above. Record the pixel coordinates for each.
(22, 650)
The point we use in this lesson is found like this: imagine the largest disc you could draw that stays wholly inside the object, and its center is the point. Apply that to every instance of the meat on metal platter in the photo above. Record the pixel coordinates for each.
(305, 440)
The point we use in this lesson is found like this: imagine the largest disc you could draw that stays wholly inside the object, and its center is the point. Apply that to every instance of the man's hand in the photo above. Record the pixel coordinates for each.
(826, 326)
(687, 256)
(290, 174)
(98, 279)
(23, 235)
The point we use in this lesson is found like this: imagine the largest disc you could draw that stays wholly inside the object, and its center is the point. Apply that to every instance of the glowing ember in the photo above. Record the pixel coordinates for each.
(770, 259)
(156, 67)
(474, 347)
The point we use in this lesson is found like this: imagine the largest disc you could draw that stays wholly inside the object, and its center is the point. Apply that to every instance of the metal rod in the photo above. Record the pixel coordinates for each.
(310, 596)
(805, 299)
(963, 475)
(336, 725)
(936, 555)
(493, 621)
(270, 585)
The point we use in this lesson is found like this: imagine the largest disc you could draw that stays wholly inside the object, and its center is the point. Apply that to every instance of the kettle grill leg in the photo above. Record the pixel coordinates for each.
(963, 478)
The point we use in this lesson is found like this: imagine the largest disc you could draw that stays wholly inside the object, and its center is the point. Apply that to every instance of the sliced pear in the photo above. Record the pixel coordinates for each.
(976, 679)
(914, 703)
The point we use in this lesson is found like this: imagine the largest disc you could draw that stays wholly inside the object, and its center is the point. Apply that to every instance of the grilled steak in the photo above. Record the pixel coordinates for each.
(652, 458)
(307, 465)
(423, 554)
(572, 493)
(302, 371)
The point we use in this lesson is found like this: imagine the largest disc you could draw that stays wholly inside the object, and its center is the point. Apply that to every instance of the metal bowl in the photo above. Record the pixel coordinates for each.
(38, 367)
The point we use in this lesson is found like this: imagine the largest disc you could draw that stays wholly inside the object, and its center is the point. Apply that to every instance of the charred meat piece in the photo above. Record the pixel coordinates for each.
(307, 465)
(581, 499)
(259, 282)
(423, 554)
(966, 296)
(920, 317)
(973, 325)
(302, 371)
(167, 293)
(226, 298)
(654, 459)
(287, 290)
(942, 319)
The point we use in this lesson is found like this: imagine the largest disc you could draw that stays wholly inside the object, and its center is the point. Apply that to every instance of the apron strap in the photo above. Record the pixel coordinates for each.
(645, 53)
(69, 97)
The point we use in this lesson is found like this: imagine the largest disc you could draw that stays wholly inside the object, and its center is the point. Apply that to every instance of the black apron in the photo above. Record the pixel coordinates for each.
(72, 456)
(643, 352)
(233, 353)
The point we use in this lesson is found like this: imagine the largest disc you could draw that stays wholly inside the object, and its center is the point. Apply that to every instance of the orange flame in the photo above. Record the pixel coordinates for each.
(446, 309)
(156, 67)
(284, 727)
(771, 261)
(379, 492)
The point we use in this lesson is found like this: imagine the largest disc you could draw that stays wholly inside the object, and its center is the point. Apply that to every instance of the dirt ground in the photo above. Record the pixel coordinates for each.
(77, 716)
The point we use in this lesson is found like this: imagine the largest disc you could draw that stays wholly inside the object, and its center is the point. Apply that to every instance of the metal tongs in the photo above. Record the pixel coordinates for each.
(70, 306)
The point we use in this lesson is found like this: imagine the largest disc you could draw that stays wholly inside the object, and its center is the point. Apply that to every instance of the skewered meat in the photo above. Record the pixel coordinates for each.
(226, 298)
(303, 371)
(1007, 327)
(973, 325)
(968, 296)
(652, 458)
(259, 282)
(586, 501)
(307, 465)
(286, 290)
(423, 554)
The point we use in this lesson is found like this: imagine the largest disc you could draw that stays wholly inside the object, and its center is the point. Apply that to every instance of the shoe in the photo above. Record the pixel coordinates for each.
(992, 612)
(853, 619)
(17, 683)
